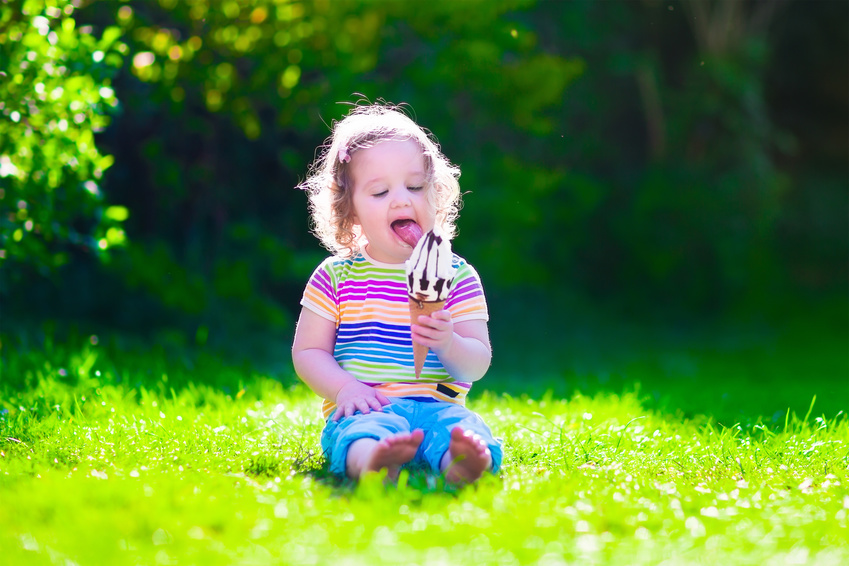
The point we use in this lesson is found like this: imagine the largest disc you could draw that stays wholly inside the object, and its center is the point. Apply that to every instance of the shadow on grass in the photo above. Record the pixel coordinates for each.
(159, 362)
(742, 369)
(415, 481)
(731, 370)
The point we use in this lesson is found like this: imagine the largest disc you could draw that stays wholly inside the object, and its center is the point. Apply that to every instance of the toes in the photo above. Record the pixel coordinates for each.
(468, 437)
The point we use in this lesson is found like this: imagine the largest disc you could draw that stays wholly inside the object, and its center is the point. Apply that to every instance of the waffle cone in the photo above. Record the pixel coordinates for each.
(418, 308)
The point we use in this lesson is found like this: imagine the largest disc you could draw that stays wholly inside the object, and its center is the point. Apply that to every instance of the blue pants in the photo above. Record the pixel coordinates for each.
(436, 419)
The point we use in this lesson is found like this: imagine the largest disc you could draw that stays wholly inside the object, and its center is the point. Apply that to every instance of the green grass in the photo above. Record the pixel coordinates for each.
(111, 455)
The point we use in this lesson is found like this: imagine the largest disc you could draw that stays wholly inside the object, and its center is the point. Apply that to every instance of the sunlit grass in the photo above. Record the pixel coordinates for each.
(115, 458)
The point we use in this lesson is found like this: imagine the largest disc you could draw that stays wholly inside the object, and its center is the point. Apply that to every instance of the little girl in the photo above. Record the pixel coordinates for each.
(378, 173)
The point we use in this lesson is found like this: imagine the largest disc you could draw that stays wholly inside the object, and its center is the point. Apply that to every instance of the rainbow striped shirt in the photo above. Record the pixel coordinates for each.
(368, 302)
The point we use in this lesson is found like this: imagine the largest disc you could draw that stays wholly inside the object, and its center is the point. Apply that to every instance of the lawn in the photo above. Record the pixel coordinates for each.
(116, 455)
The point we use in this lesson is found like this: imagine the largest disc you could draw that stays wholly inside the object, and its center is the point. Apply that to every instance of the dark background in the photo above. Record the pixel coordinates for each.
(636, 172)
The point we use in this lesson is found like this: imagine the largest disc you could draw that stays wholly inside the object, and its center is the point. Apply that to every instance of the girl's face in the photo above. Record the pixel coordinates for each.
(389, 187)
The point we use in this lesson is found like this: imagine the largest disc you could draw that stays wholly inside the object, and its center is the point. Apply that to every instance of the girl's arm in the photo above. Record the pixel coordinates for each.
(312, 354)
(463, 348)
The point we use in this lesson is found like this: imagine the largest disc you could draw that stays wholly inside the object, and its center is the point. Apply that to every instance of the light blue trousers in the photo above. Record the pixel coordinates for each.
(436, 419)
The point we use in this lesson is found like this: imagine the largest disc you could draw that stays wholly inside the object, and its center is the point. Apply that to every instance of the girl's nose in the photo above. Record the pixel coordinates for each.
(401, 197)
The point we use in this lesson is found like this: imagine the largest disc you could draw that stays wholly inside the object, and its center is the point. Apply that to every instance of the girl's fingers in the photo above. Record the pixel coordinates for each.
(431, 322)
(350, 409)
(341, 411)
(428, 331)
(431, 337)
(364, 405)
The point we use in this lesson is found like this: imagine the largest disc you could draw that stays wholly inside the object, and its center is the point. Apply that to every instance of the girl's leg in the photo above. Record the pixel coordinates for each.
(360, 443)
(467, 457)
(392, 452)
(458, 443)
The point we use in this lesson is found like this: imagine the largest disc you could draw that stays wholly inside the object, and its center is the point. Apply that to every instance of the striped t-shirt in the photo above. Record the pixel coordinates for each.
(367, 300)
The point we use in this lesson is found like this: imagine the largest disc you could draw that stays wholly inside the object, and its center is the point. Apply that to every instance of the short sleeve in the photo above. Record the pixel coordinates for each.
(466, 300)
(320, 293)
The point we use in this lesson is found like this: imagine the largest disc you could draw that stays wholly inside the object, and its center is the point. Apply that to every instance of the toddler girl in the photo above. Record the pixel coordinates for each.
(379, 176)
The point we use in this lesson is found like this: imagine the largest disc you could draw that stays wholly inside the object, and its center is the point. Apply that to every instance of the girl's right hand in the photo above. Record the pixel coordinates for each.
(357, 396)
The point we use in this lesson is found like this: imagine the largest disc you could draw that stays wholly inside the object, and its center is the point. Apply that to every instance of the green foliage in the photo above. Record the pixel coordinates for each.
(123, 456)
(224, 108)
(671, 125)
(55, 92)
(639, 152)
(707, 211)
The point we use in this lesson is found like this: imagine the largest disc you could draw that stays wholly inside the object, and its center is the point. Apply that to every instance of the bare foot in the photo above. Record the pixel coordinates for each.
(467, 458)
(392, 453)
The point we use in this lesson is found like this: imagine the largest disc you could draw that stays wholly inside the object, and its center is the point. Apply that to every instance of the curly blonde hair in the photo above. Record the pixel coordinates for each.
(329, 182)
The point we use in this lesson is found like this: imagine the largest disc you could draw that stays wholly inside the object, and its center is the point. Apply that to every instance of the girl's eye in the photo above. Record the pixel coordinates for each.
(414, 189)
(380, 194)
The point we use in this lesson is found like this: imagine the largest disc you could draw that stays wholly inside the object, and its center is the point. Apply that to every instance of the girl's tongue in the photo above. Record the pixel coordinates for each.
(408, 231)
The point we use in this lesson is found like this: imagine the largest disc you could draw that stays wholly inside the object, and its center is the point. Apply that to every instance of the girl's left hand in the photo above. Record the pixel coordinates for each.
(435, 331)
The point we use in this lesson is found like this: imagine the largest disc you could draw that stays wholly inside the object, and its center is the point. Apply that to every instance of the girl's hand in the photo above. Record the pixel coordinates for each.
(435, 331)
(357, 396)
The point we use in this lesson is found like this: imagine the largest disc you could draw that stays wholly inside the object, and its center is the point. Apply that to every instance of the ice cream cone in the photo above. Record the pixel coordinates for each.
(418, 308)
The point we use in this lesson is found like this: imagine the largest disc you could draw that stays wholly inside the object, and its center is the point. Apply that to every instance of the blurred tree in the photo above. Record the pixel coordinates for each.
(672, 120)
(807, 86)
(705, 214)
(227, 102)
(629, 149)
(54, 96)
